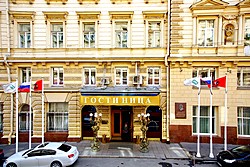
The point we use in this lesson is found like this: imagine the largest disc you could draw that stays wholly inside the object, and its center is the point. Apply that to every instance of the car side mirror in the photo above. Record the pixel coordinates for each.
(25, 156)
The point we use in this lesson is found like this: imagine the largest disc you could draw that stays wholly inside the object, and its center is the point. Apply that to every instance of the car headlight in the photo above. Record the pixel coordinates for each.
(229, 161)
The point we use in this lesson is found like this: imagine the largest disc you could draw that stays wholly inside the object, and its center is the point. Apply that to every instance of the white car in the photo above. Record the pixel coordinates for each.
(51, 154)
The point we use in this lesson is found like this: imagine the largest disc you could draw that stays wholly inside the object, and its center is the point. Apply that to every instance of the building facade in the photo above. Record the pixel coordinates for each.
(122, 58)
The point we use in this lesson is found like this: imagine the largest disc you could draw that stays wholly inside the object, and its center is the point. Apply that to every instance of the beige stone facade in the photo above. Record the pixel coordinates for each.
(206, 36)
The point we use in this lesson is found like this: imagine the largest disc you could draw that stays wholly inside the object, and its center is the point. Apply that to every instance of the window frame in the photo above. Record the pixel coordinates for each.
(25, 113)
(58, 34)
(121, 79)
(196, 71)
(148, 21)
(240, 77)
(57, 77)
(28, 74)
(214, 41)
(214, 119)
(154, 77)
(90, 72)
(242, 118)
(25, 33)
(122, 32)
(83, 34)
(54, 114)
(246, 38)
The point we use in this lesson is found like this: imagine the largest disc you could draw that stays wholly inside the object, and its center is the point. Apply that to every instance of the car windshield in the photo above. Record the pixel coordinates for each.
(64, 147)
(27, 151)
(241, 151)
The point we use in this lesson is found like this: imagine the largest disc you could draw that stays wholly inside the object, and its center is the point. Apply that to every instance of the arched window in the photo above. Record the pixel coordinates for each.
(24, 117)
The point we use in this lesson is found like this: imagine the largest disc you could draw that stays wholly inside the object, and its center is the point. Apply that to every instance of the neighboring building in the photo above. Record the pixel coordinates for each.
(105, 56)
(114, 57)
(210, 37)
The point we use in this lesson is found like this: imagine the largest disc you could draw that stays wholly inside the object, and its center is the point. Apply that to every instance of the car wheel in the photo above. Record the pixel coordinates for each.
(11, 165)
(56, 164)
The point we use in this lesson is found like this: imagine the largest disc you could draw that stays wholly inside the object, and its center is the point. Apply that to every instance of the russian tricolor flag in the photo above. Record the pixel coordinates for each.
(24, 87)
(208, 81)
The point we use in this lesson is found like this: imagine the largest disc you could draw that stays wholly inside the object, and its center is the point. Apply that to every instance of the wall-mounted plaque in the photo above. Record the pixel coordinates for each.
(180, 110)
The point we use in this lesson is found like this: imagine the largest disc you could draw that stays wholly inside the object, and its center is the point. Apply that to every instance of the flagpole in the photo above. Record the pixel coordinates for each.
(225, 118)
(30, 119)
(198, 122)
(42, 111)
(16, 115)
(211, 109)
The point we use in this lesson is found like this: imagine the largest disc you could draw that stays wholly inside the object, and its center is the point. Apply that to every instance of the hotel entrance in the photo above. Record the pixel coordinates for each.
(121, 123)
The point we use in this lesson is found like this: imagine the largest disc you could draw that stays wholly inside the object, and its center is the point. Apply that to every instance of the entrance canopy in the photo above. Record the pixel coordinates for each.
(143, 96)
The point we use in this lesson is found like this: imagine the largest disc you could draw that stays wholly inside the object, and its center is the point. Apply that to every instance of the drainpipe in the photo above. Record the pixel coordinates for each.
(8, 68)
(167, 64)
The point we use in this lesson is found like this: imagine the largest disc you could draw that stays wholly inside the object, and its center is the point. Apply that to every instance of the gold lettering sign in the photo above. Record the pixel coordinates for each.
(120, 100)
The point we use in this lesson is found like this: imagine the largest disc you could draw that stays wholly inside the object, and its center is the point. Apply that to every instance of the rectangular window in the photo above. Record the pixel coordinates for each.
(58, 117)
(57, 76)
(243, 76)
(121, 76)
(24, 35)
(204, 72)
(1, 117)
(57, 35)
(247, 31)
(25, 74)
(243, 121)
(24, 118)
(154, 34)
(206, 33)
(89, 35)
(89, 76)
(153, 76)
(204, 119)
(121, 34)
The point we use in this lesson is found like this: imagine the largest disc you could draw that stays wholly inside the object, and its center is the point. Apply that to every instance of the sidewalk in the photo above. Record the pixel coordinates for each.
(131, 150)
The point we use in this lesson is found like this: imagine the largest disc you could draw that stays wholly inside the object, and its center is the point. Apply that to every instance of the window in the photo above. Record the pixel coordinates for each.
(25, 74)
(58, 117)
(206, 33)
(24, 118)
(89, 76)
(24, 35)
(89, 35)
(57, 76)
(153, 76)
(247, 31)
(154, 34)
(121, 76)
(204, 72)
(121, 34)
(204, 119)
(243, 76)
(243, 120)
(57, 35)
(1, 117)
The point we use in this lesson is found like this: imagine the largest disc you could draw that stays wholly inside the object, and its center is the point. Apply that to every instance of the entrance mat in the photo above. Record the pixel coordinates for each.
(121, 145)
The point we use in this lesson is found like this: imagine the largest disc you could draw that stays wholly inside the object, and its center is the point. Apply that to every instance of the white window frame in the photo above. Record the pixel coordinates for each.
(206, 29)
(161, 33)
(154, 78)
(89, 81)
(121, 32)
(119, 81)
(57, 70)
(240, 76)
(26, 34)
(207, 117)
(83, 32)
(25, 73)
(241, 119)
(204, 72)
(26, 114)
(57, 110)
(59, 35)
(247, 31)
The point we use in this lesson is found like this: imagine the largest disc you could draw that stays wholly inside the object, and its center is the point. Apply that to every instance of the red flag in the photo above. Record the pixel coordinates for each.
(38, 86)
(220, 82)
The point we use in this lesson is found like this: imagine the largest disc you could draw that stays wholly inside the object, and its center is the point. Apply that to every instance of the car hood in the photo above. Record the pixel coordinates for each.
(227, 155)
(17, 155)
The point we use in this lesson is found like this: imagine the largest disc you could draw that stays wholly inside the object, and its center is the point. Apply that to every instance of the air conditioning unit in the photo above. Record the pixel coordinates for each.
(137, 79)
(105, 81)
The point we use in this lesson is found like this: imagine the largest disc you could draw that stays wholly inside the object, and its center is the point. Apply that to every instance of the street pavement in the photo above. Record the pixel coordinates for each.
(157, 149)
